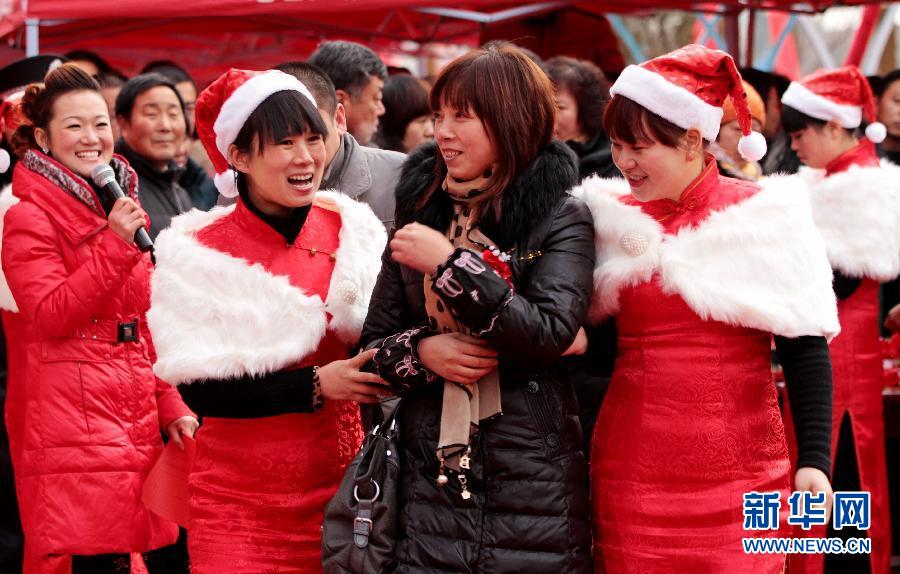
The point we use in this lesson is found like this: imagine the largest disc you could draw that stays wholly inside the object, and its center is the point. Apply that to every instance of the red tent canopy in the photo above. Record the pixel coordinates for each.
(207, 36)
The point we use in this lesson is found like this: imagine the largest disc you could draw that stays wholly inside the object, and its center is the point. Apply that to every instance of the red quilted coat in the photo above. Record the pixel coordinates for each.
(88, 410)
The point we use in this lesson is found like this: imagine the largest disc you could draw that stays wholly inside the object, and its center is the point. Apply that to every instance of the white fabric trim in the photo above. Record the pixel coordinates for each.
(858, 214)
(203, 326)
(759, 263)
(7, 301)
(246, 98)
(812, 104)
(668, 100)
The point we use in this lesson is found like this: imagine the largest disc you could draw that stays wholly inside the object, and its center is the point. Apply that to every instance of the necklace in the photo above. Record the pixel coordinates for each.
(313, 252)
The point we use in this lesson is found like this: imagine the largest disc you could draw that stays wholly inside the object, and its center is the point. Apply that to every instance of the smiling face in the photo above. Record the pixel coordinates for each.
(156, 126)
(79, 134)
(653, 170)
(282, 175)
(464, 143)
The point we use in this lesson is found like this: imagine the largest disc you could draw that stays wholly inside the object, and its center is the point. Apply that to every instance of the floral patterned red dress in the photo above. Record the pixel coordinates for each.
(232, 298)
(691, 421)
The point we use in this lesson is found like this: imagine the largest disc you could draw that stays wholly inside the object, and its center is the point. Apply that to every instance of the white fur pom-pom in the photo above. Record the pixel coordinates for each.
(752, 147)
(226, 183)
(876, 132)
(4, 160)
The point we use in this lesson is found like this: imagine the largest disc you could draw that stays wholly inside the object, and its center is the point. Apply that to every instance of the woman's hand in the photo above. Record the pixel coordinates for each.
(343, 380)
(815, 481)
(125, 218)
(579, 346)
(457, 357)
(186, 426)
(420, 247)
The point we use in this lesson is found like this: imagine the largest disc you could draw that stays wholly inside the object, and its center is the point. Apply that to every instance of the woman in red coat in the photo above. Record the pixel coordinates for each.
(90, 409)
(699, 271)
(856, 208)
(255, 308)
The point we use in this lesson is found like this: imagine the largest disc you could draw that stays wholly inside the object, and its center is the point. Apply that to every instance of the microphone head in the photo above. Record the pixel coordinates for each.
(103, 174)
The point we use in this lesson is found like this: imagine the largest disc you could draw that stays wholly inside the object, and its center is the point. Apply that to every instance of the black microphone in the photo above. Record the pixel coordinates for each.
(105, 177)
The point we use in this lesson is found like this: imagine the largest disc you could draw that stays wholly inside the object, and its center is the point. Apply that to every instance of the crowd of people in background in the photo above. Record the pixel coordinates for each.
(315, 225)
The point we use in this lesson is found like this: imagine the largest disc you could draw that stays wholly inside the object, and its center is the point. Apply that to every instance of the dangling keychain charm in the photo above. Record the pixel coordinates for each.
(466, 495)
(464, 461)
(442, 477)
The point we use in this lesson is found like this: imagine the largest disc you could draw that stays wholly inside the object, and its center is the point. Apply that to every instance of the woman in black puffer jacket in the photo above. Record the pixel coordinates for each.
(483, 289)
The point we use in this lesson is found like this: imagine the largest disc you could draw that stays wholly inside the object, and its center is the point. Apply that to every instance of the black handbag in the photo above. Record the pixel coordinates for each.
(360, 525)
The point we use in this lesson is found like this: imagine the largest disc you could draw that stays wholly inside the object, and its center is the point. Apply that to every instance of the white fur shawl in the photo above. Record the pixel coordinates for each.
(7, 200)
(759, 263)
(858, 214)
(215, 316)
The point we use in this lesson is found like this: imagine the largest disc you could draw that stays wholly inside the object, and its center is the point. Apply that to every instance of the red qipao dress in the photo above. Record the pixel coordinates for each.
(691, 421)
(856, 207)
(232, 298)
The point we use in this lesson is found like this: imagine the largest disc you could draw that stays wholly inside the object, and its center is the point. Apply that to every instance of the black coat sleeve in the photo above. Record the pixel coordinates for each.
(389, 328)
(534, 324)
(282, 392)
(844, 286)
(807, 373)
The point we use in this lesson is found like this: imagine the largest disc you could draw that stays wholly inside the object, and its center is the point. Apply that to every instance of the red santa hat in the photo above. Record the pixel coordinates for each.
(224, 107)
(842, 95)
(688, 87)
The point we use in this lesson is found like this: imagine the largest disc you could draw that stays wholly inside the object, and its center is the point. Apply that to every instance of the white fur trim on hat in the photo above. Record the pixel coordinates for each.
(812, 104)
(246, 98)
(668, 100)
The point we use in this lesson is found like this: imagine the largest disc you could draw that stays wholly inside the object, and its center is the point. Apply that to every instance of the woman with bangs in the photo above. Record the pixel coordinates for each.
(255, 309)
(483, 288)
(856, 209)
(699, 270)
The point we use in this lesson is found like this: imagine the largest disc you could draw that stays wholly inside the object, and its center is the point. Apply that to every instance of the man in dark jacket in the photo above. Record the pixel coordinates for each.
(151, 117)
(366, 174)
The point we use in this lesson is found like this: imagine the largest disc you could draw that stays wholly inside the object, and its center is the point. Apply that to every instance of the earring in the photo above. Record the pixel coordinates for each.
(45, 150)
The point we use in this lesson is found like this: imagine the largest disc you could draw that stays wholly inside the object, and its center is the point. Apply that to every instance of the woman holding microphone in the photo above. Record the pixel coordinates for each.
(91, 409)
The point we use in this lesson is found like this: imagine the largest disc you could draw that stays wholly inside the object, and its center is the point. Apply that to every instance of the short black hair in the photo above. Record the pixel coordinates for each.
(316, 81)
(280, 115)
(137, 86)
(890, 78)
(111, 79)
(92, 57)
(169, 69)
(793, 120)
(349, 65)
(405, 99)
(763, 81)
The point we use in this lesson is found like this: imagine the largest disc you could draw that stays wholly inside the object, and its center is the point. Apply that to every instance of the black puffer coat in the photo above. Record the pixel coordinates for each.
(529, 511)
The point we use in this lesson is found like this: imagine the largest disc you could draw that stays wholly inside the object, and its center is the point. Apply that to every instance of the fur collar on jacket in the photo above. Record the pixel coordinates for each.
(530, 198)
(858, 214)
(215, 316)
(758, 263)
(77, 186)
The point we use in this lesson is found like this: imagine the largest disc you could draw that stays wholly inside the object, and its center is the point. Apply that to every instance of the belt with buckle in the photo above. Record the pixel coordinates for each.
(127, 332)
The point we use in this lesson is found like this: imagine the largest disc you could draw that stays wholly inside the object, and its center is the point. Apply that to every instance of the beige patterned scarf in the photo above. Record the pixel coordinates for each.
(464, 406)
